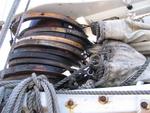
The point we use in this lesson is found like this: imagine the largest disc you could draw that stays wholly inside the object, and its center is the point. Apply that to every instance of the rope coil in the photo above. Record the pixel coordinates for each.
(32, 87)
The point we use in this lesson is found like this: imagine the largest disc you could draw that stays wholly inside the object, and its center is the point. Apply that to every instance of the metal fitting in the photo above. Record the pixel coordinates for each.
(144, 105)
(70, 104)
(103, 99)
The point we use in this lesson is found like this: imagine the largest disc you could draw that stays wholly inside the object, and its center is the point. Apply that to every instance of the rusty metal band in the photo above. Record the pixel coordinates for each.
(85, 42)
(56, 39)
(34, 15)
(38, 61)
(53, 51)
(62, 46)
(30, 68)
(55, 29)
(52, 77)
(39, 55)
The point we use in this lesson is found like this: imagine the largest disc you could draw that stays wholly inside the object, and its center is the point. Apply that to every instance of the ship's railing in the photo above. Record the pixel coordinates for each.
(94, 103)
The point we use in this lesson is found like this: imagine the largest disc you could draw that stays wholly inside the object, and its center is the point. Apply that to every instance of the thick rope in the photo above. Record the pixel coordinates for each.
(38, 104)
(30, 101)
(75, 92)
(32, 85)
(9, 84)
(133, 77)
(14, 95)
(2, 94)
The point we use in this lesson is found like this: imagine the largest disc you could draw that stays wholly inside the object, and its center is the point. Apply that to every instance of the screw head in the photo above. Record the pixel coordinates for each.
(70, 103)
(129, 7)
(103, 99)
(144, 105)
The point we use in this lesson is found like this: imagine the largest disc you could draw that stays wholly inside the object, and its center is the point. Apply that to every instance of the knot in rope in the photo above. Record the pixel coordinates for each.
(30, 88)
(36, 81)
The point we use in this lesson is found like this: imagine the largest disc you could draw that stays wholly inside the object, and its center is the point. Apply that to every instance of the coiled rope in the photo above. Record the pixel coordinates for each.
(32, 86)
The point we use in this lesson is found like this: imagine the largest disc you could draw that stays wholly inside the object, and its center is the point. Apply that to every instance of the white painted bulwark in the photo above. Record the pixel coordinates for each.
(93, 103)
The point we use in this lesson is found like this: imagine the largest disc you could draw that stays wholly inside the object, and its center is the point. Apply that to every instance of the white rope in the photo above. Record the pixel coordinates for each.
(32, 86)
(79, 92)
(1, 94)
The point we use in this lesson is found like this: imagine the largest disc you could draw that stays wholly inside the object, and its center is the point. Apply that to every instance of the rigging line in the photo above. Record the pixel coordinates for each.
(8, 21)
(16, 35)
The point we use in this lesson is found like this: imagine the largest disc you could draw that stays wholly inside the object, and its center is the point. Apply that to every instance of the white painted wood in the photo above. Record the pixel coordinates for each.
(90, 103)
(96, 9)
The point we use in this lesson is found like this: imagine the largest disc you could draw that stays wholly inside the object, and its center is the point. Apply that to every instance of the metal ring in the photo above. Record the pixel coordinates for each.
(49, 44)
(54, 38)
(30, 68)
(54, 29)
(33, 15)
(38, 61)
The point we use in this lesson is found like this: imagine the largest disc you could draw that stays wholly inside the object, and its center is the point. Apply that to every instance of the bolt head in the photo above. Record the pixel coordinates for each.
(103, 99)
(144, 105)
(130, 7)
(70, 102)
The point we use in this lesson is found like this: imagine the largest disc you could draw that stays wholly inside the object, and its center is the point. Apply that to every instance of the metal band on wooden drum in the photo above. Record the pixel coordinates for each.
(49, 44)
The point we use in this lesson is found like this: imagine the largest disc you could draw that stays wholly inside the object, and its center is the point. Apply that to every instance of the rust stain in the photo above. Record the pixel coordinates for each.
(40, 68)
(70, 105)
(145, 105)
(103, 99)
